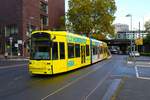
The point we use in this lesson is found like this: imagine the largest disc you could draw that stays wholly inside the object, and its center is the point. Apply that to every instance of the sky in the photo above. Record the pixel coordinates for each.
(139, 9)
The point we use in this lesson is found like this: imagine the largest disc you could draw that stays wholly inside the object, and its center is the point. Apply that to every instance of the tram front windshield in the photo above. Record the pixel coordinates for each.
(40, 46)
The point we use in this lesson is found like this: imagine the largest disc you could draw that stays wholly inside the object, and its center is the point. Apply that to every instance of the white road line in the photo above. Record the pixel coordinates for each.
(137, 74)
(18, 78)
(136, 70)
(143, 65)
(12, 66)
(62, 88)
(144, 78)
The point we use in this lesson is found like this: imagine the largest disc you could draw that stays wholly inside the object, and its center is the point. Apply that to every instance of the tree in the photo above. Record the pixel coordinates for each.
(147, 28)
(99, 36)
(89, 16)
(62, 23)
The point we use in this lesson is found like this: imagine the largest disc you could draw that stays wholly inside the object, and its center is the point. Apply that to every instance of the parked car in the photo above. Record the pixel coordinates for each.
(114, 51)
(134, 53)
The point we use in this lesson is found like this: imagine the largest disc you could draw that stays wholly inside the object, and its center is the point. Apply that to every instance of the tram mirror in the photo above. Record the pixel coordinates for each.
(54, 38)
(51, 41)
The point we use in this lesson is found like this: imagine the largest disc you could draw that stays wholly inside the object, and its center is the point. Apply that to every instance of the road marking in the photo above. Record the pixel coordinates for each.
(136, 70)
(69, 84)
(18, 78)
(12, 66)
(137, 74)
(144, 78)
(143, 65)
(98, 85)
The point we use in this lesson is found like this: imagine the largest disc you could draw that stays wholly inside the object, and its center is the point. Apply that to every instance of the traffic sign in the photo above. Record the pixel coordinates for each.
(139, 41)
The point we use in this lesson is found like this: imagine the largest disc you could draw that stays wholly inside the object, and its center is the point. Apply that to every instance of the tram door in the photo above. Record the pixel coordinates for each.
(82, 54)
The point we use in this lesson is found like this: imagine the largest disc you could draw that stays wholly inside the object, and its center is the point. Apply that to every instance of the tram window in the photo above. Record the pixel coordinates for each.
(55, 51)
(94, 50)
(105, 50)
(62, 50)
(40, 53)
(101, 50)
(77, 50)
(98, 50)
(70, 50)
(87, 50)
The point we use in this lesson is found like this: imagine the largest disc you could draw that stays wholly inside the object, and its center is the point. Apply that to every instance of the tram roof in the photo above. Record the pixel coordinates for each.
(62, 33)
(65, 33)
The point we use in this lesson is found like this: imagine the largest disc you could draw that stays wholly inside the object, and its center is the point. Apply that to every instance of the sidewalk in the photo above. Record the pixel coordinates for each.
(134, 89)
(16, 58)
(12, 60)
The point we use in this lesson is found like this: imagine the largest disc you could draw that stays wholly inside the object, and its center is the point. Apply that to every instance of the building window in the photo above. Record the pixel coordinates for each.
(44, 7)
(133, 36)
(77, 50)
(55, 51)
(1, 30)
(11, 29)
(62, 50)
(118, 36)
(44, 20)
(128, 37)
(30, 28)
(70, 50)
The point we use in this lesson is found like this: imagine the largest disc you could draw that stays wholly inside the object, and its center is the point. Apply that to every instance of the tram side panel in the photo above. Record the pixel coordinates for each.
(99, 51)
(68, 52)
(78, 52)
(95, 51)
(59, 57)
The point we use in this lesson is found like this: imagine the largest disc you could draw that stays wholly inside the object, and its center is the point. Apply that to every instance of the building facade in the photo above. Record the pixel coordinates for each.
(121, 27)
(130, 35)
(19, 17)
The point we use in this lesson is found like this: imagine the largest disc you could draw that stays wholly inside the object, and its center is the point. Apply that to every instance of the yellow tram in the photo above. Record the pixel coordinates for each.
(55, 52)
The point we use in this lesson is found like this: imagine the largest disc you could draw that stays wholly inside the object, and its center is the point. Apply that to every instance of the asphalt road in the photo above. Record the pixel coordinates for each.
(88, 83)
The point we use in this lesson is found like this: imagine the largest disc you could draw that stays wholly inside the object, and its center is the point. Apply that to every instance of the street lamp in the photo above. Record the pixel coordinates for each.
(129, 15)
(11, 45)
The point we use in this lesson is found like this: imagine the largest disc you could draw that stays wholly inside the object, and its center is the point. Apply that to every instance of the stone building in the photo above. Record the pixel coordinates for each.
(19, 17)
